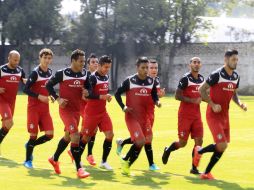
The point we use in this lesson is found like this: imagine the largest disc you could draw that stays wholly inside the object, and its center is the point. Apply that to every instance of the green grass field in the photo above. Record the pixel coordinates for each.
(234, 171)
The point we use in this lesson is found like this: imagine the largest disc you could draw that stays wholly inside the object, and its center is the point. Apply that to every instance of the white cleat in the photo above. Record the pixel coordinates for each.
(106, 166)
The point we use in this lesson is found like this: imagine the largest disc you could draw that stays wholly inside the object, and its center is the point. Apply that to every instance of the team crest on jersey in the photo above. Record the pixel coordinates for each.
(182, 134)
(136, 134)
(71, 127)
(31, 126)
(219, 136)
(105, 85)
(5, 115)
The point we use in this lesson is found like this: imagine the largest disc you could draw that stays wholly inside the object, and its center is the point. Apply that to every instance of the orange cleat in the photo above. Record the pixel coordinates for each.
(91, 160)
(55, 165)
(197, 156)
(207, 176)
(82, 173)
(70, 154)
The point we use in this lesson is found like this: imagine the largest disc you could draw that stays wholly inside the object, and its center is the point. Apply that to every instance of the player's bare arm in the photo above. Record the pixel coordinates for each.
(179, 96)
(161, 93)
(205, 97)
(2, 90)
(236, 99)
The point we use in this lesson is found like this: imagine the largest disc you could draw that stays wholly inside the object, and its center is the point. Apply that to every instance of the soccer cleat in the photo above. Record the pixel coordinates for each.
(125, 166)
(194, 171)
(165, 155)
(70, 154)
(28, 164)
(197, 156)
(153, 167)
(55, 165)
(119, 146)
(106, 166)
(82, 173)
(207, 176)
(32, 157)
(91, 160)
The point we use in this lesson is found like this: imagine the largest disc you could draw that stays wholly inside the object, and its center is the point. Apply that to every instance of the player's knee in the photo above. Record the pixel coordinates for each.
(75, 137)
(109, 135)
(182, 143)
(49, 137)
(198, 142)
(221, 147)
(140, 142)
(8, 123)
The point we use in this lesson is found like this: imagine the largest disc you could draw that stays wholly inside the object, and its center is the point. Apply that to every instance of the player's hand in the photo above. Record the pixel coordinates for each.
(161, 92)
(85, 92)
(43, 99)
(62, 102)
(196, 100)
(24, 81)
(2, 90)
(216, 108)
(127, 109)
(158, 104)
(107, 97)
(243, 106)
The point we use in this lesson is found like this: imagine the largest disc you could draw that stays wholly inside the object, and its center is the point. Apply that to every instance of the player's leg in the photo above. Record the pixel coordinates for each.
(107, 128)
(221, 138)
(90, 157)
(197, 135)
(184, 126)
(7, 119)
(120, 144)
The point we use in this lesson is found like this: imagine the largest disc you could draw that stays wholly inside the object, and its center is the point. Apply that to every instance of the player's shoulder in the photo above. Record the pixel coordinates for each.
(150, 80)
(235, 75)
(157, 80)
(19, 69)
(4, 67)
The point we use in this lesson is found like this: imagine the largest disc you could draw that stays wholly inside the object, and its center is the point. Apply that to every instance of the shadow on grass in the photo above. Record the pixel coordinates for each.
(41, 173)
(148, 179)
(8, 163)
(100, 174)
(75, 182)
(217, 183)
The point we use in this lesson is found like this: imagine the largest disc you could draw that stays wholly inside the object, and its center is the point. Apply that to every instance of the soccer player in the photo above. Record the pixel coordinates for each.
(92, 63)
(38, 108)
(152, 72)
(189, 116)
(223, 84)
(71, 89)
(95, 114)
(10, 76)
(139, 89)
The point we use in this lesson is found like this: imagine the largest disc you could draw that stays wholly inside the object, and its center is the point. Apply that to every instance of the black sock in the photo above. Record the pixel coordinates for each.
(209, 148)
(106, 149)
(29, 149)
(192, 154)
(149, 153)
(60, 148)
(174, 146)
(76, 155)
(126, 141)
(3, 133)
(128, 155)
(134, 155)
(214, 159)
(82, 146)
(42, 140)
(90, 146)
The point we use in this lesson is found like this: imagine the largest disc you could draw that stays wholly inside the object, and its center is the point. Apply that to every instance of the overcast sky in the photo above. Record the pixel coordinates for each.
(70, 6)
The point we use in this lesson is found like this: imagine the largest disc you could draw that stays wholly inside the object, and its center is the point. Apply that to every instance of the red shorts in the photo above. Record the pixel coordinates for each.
(139, 130)
(6, 110)
(219, 127)
(38, 117)
(92, 123)
(70, 120)
(151, 118)
(190, 126)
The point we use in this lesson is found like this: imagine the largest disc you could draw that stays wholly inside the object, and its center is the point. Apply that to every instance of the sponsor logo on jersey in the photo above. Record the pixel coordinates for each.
(76, 84)
(142, 92)
(104, 87)
(230, 87)
(13, 79)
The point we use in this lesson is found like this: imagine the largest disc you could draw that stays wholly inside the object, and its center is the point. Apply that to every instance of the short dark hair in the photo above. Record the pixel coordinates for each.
(141, 60)
(231, 52)
(91, 56)
(153, 61)
(76, 54)
(105, 59)
(46, 51)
